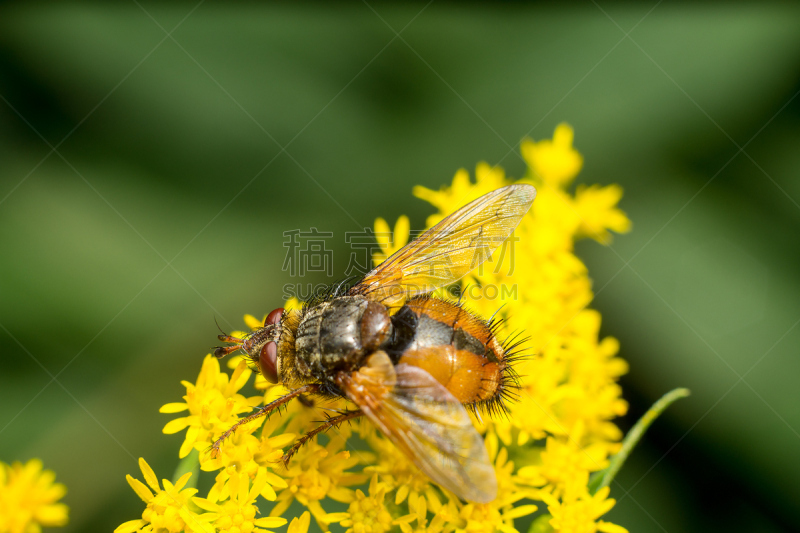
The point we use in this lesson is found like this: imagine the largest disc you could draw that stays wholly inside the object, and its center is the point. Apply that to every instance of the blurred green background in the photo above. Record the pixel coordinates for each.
(152, 155)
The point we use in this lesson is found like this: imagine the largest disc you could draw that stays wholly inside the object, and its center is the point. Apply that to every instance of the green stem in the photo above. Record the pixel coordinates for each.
(190, 463)
(603, 478)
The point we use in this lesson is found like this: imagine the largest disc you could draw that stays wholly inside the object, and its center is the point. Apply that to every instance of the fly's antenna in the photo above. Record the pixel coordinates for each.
(219, 328)
(222, 351)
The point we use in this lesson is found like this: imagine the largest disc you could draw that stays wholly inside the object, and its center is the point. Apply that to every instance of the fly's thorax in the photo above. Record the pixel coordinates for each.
(284, 337)
(337, 334)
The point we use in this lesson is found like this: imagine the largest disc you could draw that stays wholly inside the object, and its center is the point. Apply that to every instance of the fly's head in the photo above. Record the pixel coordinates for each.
(261, 346)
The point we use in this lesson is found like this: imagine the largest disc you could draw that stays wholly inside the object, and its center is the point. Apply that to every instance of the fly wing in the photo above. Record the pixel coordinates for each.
(424, 420)
(449, 250)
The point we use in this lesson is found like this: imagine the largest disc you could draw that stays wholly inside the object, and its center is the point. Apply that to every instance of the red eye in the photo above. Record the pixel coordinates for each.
(274, 317)
(268, 360)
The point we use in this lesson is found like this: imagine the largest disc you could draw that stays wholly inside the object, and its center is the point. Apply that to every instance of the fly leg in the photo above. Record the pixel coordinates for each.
(305, 400)
(271, 406)
(331, 422)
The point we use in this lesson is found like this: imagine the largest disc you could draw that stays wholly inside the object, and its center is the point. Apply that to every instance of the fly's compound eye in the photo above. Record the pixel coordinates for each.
(268, 361)
(274, 318)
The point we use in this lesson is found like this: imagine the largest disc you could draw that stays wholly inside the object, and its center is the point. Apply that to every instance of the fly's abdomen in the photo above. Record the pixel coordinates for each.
(454, 346)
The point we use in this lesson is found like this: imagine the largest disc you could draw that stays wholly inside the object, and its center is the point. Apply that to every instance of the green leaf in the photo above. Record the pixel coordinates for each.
(603, 478)
(190, 463)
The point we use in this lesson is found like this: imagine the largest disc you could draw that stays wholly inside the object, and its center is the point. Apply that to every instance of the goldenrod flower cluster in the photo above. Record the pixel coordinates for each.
(559, 431)
(29, 498)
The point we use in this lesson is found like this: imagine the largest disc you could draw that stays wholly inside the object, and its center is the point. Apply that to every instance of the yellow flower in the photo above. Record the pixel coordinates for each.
(300, 524)
(167, 510)
(555, 161)
(243, 453)
(28, 497)
(418, 507)
(579, 511)
(317, 472)
(596, 207)
(366, 514)
(238, 513)
(499, 514)
(395, 469)
(389, 242)
(564, 462)
(478, 517)
(462, 191)
(213, 405)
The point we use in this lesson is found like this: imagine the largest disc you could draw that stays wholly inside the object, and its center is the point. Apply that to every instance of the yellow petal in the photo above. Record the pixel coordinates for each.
(282, 504)
(238, 379)
(276, 481)
(130, 526)
(194, 522)
(281, 440)
(522, 510)
(332, 518)
(252, 322)
(182, 481)
(404, 519)
(258, 484)
(608, 527)
(268, 493)
(52, 515)
(402, 229)
(149, 475)
(176, 407)
(382, 232)
(188, 442)
(140, 489)
(174, 426)
(401, 495)
(554, 161)
(300, 524)
(54, 492)
(269, 521)
(207, 505)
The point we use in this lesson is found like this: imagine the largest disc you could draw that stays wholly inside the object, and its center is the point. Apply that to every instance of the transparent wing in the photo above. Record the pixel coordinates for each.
(449, 250)
(424, 420)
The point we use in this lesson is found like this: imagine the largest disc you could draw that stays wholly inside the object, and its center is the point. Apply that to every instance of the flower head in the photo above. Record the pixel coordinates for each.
(213, 404)
(238, 513)
(246, 454)
(578, 512)
(28, 498)
(167, 509)
(367, 512)
(318, 472)
(554, 161)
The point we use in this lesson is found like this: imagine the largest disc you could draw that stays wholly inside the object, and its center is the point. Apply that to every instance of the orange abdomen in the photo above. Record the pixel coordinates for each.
(454, 346)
